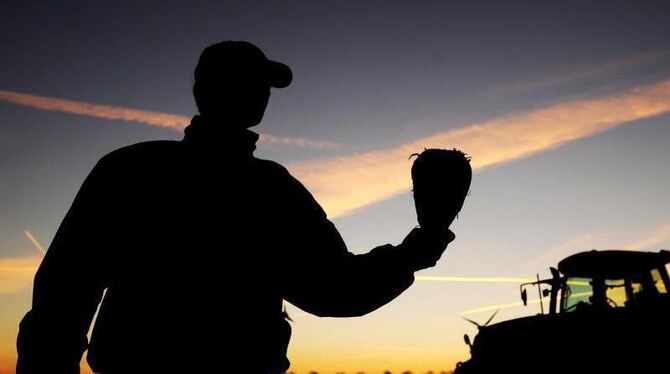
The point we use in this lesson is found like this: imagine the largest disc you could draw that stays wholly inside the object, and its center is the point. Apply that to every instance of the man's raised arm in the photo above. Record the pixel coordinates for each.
(323, 278)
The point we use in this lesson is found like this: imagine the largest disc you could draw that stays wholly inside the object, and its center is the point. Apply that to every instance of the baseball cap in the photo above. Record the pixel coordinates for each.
(240, 61)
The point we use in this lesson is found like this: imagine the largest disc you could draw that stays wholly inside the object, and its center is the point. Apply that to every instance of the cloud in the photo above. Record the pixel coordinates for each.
(653, 241)
(158, 119)
(16, 274)
(345, 184)
(586, 71)
(602, 239)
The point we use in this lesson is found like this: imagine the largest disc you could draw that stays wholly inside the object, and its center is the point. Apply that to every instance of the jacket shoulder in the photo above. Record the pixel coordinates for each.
(149, 149)
(291, 190)
(272, 167)
(141, 155)
(277, 174)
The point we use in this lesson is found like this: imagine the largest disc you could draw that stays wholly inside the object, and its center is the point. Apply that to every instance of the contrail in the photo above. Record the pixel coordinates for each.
(473, 279)
(35, 242)
(516, 304)
(16, 273)
(499, 306)
(159, 119)
(348, 183)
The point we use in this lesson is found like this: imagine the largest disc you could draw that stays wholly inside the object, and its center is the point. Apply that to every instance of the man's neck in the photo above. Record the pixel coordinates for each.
(208, 133)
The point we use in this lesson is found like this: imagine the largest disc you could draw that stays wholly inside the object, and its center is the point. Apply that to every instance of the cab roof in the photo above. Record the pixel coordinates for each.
(612, 263)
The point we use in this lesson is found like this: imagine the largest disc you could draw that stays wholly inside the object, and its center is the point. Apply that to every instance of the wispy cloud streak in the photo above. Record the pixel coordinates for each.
(648, 239)
(158, 119)
(587, 71)
(344, 184)
(171, 121)
(35, 242)
(658, 239)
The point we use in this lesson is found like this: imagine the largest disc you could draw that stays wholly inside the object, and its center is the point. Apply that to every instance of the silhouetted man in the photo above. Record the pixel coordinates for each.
(197, 242)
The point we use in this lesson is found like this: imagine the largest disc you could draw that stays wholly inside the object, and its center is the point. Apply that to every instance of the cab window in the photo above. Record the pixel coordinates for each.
(615, 292)
(577, 292)
(658, 281)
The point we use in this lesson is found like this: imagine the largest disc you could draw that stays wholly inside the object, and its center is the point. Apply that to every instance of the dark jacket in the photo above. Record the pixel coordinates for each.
(196, 243)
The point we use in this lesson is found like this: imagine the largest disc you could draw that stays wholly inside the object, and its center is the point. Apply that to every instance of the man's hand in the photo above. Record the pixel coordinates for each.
(425, 247)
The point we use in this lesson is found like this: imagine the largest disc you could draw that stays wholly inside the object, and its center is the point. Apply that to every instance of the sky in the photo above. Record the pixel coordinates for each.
(564, 108)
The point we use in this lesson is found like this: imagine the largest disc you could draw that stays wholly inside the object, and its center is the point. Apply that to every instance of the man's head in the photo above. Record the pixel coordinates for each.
(441, 181)
(232, 82)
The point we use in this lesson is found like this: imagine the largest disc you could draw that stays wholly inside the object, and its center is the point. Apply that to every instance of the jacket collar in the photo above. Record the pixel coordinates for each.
(206, 135)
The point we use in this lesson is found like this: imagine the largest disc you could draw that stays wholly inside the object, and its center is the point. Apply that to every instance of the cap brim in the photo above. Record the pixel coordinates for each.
(279, 74)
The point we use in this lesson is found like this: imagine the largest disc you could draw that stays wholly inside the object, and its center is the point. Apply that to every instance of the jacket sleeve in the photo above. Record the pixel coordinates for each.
(68, 285)
(322, 277)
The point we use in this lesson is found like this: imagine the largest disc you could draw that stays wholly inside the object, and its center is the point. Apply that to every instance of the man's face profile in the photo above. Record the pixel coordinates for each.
(234, 101)
(233, 81)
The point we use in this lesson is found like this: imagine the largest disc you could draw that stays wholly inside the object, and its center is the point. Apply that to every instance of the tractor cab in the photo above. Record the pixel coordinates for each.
(609, 306)
(605, 280)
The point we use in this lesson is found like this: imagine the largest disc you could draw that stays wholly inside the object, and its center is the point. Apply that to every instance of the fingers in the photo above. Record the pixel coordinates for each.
(425, 247)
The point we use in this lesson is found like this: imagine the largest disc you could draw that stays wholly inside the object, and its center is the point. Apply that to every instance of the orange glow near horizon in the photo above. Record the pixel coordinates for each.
(16, 274)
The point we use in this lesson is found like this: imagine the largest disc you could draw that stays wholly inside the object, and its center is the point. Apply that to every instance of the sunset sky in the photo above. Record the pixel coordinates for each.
(563, 106)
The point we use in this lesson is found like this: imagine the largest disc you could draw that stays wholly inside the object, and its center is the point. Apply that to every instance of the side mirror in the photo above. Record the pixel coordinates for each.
(546, 292)
(524, 297)
(466, 338)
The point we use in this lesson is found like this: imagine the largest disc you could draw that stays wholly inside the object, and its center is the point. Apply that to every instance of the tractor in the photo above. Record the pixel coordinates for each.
(607, 313)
